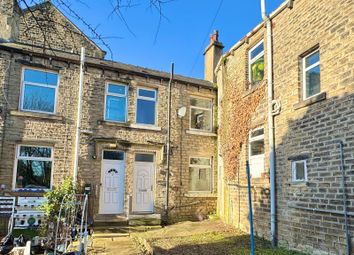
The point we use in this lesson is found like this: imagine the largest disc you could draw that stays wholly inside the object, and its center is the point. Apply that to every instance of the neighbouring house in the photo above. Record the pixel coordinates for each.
(124, 123)
(313, 84)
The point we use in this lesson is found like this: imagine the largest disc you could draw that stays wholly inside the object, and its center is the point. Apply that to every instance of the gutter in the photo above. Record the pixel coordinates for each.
(105, 65)
(276, 12)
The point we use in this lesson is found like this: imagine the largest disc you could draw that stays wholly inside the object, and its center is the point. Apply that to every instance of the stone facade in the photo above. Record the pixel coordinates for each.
(97, 134)
(309, 213)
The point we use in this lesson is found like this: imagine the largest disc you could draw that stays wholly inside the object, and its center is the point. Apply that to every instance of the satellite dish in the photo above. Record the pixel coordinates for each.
(181, 112)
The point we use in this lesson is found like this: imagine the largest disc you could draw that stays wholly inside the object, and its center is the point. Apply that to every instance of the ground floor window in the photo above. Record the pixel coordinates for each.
(299, 170)
(256, 152)
(33, 167)
(200, 174)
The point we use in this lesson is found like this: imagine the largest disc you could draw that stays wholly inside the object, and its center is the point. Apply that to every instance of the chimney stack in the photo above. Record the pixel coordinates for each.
(212, 55)
(9, 18)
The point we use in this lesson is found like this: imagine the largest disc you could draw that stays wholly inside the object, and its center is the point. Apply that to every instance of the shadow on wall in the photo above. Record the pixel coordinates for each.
(313, 135)
(314, 138)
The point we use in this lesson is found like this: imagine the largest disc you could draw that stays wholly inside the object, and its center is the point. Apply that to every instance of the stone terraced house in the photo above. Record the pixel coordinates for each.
(124, 123)
(313, 109)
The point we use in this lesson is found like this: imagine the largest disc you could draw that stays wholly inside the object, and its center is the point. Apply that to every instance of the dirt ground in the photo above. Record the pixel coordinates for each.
(210, 237)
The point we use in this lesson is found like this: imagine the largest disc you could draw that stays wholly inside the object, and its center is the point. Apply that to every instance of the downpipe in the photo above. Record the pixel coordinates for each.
(78, 116)
(268, 24)
(344, 196)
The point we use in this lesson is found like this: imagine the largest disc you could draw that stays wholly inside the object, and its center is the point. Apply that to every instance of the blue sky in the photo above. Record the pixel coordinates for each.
(181, 38)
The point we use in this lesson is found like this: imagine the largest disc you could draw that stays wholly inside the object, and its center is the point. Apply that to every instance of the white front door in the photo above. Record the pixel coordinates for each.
(143, 197)
(112, 187)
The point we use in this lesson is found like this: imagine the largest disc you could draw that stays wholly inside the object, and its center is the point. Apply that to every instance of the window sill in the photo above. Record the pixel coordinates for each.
(128, 125)
(36, 115)
(298, 183)
(28, 192)
(200, 194)
(145, 127)
(202, 133)
(317, 98)
(113, 123)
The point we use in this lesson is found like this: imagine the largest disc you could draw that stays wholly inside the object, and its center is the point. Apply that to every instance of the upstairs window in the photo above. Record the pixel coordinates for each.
(33, 167)
(256, 63)
(311, 74)
(200, 174)
(201, 114)
(39, 91)
(146, 106)
(256, 152)
(299, 170)
(116, 103)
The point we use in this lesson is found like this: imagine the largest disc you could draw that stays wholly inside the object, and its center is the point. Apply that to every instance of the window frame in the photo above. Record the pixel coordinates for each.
(201, 166)
(251, 61)
(253, 139)
(293, 170)
(201, 108)
(115, 160)
(126, 96)
(21, 101)
(147, 99)
(17, 157)
(306, 69)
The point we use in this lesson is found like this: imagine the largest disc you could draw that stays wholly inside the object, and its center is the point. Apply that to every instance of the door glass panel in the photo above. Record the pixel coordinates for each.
(113, 155)
(144, 157)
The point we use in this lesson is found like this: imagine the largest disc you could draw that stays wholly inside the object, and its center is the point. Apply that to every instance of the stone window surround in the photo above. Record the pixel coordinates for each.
(250, 46)
(250, 61)
(201, 131)
(29, 190)
(315, 98)
(304, 69)
(202, 193)
(250, 158)
(142, 125)
(126, 96)
(293, 171)
(42, 69)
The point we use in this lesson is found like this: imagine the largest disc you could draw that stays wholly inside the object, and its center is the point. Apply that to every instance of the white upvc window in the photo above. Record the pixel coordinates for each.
(311, 74)
(39, 90)
(256, 152)
(33, 167)
(146, 106)
(200, 174)
(299, 170)
(116, 102)
(201, 114)
(256, 63)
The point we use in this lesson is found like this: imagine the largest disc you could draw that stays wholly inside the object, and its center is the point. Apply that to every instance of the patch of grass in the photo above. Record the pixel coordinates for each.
(225, 242)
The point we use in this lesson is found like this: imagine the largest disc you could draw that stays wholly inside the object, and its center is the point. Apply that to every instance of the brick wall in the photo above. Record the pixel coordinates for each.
(59, 131)
(310, 127)
(52, 30)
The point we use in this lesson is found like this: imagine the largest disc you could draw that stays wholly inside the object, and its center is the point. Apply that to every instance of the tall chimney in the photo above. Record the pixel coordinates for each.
(212, 55)
(9, 18)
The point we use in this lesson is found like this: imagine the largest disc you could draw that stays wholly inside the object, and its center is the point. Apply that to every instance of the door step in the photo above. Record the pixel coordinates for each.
(111, 220)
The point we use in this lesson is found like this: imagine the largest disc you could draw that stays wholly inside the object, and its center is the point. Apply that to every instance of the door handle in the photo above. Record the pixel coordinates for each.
(152, 187)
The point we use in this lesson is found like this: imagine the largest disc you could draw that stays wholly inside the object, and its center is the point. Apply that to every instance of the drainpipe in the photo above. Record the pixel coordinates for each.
(344, 198)
(168, 142)
(78, 118)
(268, 23)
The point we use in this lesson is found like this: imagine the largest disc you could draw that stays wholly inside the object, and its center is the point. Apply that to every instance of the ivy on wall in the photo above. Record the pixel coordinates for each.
(237, 111)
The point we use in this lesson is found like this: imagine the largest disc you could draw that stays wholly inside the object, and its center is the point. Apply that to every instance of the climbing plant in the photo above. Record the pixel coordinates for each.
(237, 111)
